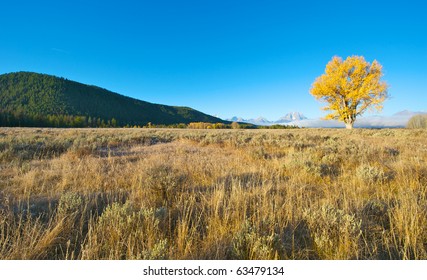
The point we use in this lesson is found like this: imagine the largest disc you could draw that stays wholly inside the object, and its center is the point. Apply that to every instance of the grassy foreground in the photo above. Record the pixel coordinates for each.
(203, 194)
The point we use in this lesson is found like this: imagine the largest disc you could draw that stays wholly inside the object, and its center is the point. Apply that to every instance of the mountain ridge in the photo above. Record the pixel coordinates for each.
(36, 94)
(396, 120)
(287, 118)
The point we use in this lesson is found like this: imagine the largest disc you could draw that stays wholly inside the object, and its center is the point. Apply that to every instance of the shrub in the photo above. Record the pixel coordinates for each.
(163, 181)
(249, 243)
(125, 233)
(375, 215)
(69, 204)
(320, 170)
(418, 121)
(158, 252)
(370, 174)
(334, 232)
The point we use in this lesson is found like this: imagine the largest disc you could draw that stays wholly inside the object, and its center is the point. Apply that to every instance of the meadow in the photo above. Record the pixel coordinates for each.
(213, 194)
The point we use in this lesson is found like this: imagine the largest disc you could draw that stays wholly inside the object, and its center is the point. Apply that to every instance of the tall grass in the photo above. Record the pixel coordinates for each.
(201, 194)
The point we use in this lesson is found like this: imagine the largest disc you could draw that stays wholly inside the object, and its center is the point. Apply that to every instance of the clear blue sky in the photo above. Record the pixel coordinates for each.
(225, 58)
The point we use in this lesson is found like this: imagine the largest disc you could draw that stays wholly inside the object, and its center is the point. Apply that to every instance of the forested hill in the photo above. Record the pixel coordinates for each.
(32, 99)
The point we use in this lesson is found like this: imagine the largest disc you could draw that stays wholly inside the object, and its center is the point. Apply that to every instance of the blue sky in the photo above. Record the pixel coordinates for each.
(225, 58)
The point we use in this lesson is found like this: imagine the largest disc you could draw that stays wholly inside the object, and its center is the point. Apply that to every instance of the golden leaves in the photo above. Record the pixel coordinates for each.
(350, 87)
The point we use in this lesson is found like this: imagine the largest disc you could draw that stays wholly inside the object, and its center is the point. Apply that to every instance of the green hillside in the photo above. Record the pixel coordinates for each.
(31, 99)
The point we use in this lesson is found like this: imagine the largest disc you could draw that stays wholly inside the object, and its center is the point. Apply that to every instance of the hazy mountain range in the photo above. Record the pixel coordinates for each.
(289, 117)
(399, 119)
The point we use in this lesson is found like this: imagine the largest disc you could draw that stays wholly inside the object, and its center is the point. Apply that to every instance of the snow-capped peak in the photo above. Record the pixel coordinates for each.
(293, 116)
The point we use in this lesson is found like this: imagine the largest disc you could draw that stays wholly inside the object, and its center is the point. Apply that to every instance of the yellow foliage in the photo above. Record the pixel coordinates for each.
(350, 87)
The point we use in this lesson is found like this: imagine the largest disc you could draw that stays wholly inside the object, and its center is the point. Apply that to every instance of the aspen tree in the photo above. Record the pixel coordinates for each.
(350, 87)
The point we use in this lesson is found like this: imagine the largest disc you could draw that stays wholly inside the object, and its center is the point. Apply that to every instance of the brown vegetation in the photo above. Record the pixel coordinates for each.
(418, 121)
(213, 194)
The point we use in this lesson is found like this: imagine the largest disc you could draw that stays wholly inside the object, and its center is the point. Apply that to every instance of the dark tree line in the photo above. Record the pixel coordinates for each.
(57, 101)
(21, 119)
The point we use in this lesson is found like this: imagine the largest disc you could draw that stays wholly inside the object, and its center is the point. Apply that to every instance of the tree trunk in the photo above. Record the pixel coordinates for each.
(349, 125)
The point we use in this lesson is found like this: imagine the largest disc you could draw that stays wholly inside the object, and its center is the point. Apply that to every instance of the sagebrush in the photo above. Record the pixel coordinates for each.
(203, 194)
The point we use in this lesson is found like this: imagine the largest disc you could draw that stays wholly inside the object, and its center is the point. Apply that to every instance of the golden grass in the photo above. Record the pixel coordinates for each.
(203, 194)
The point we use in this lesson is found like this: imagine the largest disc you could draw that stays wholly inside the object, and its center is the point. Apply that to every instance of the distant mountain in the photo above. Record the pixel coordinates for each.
(289, 117)
(397, 120)
(261, 120)
(407, 113)
(28, 97)
(257, 121)
(236, 119)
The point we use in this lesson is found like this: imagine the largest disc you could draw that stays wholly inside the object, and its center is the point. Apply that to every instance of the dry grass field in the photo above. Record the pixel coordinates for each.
(213, 194)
